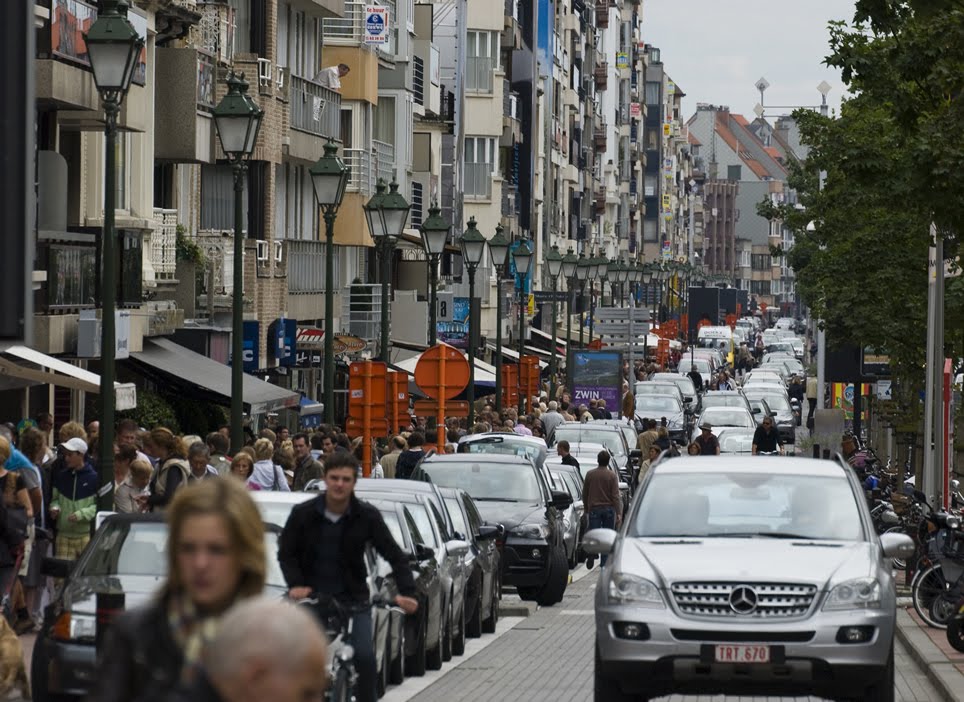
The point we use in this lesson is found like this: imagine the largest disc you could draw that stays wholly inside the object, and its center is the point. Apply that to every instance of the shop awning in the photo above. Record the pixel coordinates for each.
(54, 371)
(484, 373)
(184, 367)
(560, 340)
(514, 355)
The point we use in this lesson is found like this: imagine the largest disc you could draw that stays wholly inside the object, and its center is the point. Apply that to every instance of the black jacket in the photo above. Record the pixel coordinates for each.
(140, 662)
(364, 525)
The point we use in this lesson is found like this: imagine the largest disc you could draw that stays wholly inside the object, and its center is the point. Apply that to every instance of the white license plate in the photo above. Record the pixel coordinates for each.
(726, 653)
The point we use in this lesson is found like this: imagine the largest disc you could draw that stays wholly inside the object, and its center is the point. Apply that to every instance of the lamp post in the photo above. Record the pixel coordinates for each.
(646, 275)
(523, 258)
(569, 263)
(473, 250)
(582, 275)
(554, 266)
(498, 252)
(612, 271)
(329, 177)
(592, 264)
(435, 233)
(113, 48)
(387, 215)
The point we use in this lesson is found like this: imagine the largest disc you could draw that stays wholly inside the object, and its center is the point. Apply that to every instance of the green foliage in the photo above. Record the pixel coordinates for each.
(187, 249)
(152, 410)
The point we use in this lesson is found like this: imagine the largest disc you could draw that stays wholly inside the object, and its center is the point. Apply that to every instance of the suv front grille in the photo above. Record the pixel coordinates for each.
(744, 600)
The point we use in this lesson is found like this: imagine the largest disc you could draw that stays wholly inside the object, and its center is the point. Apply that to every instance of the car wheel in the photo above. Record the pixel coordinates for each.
(555, 587)
(883, 689)
(528, 593)
(489, 624)
(473, 627)
(458, 641)
(434, 657)
(606, 689)
(396, 674)
(573, 559)
(417, 663)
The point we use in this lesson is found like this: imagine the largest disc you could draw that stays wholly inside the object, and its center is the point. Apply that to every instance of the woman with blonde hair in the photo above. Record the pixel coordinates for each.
(242, 465)
(266, 474)
(173, 470)
(215, 559)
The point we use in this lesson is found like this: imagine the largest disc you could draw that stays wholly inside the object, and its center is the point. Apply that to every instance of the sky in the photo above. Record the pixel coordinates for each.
(716, 50)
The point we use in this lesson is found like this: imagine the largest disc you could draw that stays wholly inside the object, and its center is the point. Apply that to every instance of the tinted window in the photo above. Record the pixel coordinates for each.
(612, 440)
(413, 528)
(488, 481)
(456, 513)
(424, 522)
(532, 452)
(391, 521)
(575, 486)
(129, 549)
(439, 520)
(475, 519)
(721, 504)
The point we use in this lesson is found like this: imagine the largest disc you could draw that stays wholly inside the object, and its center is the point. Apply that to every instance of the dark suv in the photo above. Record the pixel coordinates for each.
(509, 490)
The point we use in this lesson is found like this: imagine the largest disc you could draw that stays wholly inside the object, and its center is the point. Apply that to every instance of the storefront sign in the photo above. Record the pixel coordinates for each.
(250, 345)
(309, 338)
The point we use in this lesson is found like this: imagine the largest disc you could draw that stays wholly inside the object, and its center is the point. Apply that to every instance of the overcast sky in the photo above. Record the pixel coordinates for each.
(717, 50)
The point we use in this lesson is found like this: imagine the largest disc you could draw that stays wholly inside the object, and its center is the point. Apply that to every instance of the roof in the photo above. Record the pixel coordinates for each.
(691, 138)
(758, 464)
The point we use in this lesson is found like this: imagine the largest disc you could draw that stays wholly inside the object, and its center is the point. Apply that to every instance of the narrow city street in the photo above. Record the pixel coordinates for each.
(548, 656)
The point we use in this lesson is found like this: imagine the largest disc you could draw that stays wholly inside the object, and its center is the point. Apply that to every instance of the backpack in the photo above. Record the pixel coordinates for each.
(16, 516)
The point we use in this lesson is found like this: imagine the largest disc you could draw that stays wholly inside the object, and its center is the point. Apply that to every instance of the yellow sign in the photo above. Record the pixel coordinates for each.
(666, 129)
(531, 305)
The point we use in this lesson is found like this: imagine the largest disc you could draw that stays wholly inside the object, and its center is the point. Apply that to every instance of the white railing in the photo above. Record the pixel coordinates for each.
(306, 267)
(349, 30)
(164, 244)
(368, 165)
(384, 160)
(315, 108)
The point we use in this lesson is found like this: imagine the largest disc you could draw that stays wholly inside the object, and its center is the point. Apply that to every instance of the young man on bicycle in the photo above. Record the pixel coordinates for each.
(322, 552)
(766, 438)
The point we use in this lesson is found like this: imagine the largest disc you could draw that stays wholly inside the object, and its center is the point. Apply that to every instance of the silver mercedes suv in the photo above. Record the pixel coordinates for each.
(746, 575)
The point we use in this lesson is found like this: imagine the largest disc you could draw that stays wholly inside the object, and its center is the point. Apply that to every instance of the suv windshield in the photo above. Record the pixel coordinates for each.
(487, 481)
(507, 447)
(712, 399)
(718, 504)
(659, 403)
(612, 440)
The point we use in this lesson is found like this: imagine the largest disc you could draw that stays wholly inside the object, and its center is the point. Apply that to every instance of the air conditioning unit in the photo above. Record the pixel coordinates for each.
(263, 252)
(265, 72)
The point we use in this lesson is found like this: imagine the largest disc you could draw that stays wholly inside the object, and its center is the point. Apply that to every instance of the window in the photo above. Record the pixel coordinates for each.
(760, 262)
(744, 259)
(417, 205)
(760, 287)
(652, 92)
(242, 25)
(481, 60)
(734, 172)
(480, 163)
(217, 198)
(385, 119)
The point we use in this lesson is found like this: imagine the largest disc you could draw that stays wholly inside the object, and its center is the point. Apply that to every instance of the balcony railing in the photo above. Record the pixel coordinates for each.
(418, 80)
(164, 244)
(350, 30)
(315, 108)
(478, 74)
(368, 165)
(306, 267)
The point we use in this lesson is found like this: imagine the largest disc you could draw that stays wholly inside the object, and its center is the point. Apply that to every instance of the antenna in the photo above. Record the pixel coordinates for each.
(762, 85)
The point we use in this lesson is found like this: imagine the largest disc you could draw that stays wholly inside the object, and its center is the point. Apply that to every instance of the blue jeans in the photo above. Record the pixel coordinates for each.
(602, 518)
(362, 641)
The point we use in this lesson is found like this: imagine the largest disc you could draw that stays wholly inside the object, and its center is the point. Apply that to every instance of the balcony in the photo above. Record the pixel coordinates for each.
(368, 165)
(601, 75)
(306, 267)
(185, 83)
(163, 252)
(599, 136)
(315, 116)
(350, 29)
(602, 14)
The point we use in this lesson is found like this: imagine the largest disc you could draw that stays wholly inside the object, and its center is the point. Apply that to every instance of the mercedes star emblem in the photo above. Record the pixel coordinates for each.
(743, 600)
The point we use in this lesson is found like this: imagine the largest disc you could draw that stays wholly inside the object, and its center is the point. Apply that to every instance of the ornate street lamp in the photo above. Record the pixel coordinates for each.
(569, 263)
(554, 266)
(522, 256)
(329, 178)
(583, 269)
(387, 214)
(594, 267)
(498, 252)
(473, 251)
(113, 47)
(435, 234)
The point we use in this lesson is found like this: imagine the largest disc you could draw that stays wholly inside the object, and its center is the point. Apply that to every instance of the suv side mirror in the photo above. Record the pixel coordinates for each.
(560, 500)
(56, 567)
(487, 532)
(635, 454)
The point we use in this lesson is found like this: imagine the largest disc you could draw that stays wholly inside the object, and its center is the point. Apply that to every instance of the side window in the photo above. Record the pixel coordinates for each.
(457, 517)
(413, 527)
(439, 521)
(475, 519)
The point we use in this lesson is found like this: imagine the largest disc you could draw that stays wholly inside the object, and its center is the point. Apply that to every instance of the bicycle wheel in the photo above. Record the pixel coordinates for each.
(930, 587)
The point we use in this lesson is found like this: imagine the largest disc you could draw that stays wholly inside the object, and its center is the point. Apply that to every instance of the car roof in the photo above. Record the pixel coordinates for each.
(773, 465)
(520, 438)
(276, 497)
(724, 393)
(459, 458)
(395, 496)
(389, 484)
(595, 424)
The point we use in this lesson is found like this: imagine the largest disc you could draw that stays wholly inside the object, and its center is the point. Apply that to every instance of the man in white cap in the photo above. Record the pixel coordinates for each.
(74, 502)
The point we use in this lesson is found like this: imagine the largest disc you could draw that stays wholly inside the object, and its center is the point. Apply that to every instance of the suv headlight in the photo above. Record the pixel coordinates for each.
(531, 531)
(861, 593)
(631, 589)
(75, 627)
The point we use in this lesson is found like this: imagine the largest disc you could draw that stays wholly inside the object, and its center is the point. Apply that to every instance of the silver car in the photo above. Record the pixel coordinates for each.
(740, 577)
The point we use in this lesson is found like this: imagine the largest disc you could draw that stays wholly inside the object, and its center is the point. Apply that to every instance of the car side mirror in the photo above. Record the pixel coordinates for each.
(623, 485)
(757, 410)
(597, 542)
(560, 500)
(56, 567)
(423, 552)
(487, 532)
(635, 454)
(457, 547)
(897, 545)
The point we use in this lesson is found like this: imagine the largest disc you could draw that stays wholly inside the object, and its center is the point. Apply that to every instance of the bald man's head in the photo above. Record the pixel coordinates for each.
(267, 650)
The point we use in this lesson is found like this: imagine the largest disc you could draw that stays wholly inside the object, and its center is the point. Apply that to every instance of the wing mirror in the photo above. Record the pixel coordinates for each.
(597, 542)
(457, 547)
(635, 454)
(487, 532)
(895, 545)
(560, 500)
(56, 567)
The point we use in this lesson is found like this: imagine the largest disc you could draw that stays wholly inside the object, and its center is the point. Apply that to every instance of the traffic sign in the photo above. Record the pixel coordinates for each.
(442, 371)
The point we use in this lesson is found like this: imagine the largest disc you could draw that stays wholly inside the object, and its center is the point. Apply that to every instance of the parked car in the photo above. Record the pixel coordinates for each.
(531, 447)
(725, 398)
(760, 409)
(598, 432)
(587, 455)
(567, 481)
(483, 589)
(510, 491)
(126, 556)
(740, 577)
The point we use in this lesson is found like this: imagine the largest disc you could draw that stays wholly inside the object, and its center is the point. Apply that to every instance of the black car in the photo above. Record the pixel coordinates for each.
(483, 589)
(126, 556)
(449, 553)
(423, 630)
(511, 491)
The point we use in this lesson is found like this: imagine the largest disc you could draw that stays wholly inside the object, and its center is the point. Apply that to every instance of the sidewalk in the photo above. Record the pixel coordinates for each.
(929, 648)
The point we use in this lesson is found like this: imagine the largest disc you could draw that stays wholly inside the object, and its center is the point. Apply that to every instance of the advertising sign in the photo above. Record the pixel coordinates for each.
(290, 334)
(376, 24)
(597, 374)
(622, 59)
(456, 332)
(250, 345)
(635, 110)
(843, 398)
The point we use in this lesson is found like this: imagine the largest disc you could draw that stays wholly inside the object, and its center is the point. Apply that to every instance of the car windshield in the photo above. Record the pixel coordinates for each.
(727, 417)
(681, 381)
(721, 504)
(777, 402)
(651, 388)
(507, 447)
(712, 399)
(487, 481)
(735, 442)
(612, 440)
(658, 403)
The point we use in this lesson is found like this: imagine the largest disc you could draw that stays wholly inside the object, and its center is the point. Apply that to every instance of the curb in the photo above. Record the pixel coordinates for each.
(513, 610)
(942, 674)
